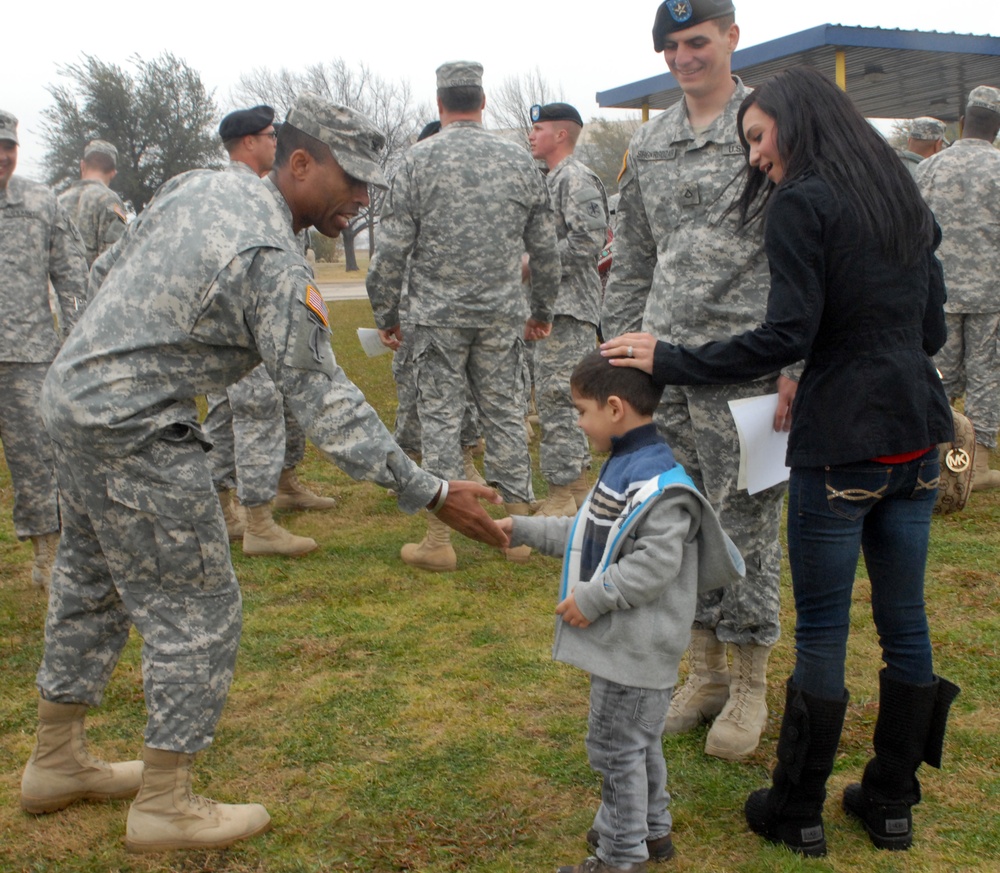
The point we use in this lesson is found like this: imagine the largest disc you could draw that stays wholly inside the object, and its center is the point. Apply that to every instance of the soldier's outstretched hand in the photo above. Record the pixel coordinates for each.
(463, 512)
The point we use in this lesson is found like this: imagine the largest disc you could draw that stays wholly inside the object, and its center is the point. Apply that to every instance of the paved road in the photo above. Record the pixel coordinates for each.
(342, 290)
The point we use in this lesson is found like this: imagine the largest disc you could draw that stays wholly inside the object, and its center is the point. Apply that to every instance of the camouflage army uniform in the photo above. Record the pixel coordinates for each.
(98, 214)
(462, 209)
(208, 282)
(252, 432)
(962, 187)
(685, 274)
(581, 209)
(911, 160)
(38, 243)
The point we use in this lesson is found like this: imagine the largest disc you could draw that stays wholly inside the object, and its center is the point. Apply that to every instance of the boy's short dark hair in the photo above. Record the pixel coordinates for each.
(596, 378)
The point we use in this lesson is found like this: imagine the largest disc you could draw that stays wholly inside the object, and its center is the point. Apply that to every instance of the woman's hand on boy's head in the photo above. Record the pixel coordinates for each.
(631, 350)
(570, 612)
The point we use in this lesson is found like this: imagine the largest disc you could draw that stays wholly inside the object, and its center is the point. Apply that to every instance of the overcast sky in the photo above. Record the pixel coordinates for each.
(579, 47)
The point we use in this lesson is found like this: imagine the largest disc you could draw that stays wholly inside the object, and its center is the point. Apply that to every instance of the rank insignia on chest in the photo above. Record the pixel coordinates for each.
(317, 305)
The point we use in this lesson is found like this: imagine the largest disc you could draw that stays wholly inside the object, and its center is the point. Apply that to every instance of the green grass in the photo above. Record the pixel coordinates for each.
(394, 720)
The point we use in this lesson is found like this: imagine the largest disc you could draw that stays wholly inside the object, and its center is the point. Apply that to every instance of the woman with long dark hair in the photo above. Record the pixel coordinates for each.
(858, 294)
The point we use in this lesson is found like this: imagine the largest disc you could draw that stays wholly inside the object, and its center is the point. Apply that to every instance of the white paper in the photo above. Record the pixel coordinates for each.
(762, 449)
(370, 342)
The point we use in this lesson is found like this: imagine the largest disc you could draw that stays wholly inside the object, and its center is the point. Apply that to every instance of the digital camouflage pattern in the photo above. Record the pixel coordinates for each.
(251, 430)
(218, 295)
(962, 187)
(407, 427)
(580, 205)
(246, 427)
(491, 363)
(28, 450)
(911, 161)
(38, 243)
(684, 272)
(563, 451)
(208, 281)
(462, 209)
(97, 212)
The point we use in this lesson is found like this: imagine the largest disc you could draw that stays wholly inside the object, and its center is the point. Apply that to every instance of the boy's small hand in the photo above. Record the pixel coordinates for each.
(506, 525)
(571, 614)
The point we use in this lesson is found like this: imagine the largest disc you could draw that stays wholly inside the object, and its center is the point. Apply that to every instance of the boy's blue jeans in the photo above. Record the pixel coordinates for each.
(624, 745)
(834, 513)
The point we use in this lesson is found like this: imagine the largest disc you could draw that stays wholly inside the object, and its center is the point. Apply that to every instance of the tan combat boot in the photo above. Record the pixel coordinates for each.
(292, 494)
(469, 465)
(518, 554)
(736, 732)
(45, 547)
(60, 771)
(166, 815)
(434, 552)
(706, 690)
(264, 537)
(559, 502)
(580, 488)
(983, 478)
(232, 512)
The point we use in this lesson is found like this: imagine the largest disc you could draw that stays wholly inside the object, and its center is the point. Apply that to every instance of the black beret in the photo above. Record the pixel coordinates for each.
(555, 112)
(431, 128)
(681, 14)
(243, 122)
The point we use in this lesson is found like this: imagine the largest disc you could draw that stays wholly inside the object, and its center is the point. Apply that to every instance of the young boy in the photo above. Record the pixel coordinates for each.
(636, 555)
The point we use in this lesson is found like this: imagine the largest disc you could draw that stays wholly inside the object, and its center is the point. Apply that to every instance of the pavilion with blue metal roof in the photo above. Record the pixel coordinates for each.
(888, 73)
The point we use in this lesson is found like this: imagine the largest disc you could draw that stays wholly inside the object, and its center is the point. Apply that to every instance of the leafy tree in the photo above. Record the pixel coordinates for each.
(157, 114)
(389, 105)
(604, 144)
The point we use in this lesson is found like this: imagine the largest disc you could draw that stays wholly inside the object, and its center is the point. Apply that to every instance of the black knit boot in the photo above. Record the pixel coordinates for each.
(909, 730)
(791, 810)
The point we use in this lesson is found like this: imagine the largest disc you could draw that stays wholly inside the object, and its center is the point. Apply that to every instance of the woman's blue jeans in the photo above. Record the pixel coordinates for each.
(835, 513)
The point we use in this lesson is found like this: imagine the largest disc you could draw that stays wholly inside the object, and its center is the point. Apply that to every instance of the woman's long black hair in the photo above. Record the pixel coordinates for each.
(819, 130)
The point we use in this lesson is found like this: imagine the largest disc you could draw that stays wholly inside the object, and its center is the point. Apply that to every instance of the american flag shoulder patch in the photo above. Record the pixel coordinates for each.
(317, 305)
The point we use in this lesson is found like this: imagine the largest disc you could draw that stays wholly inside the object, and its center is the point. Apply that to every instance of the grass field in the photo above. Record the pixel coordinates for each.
(394, 720)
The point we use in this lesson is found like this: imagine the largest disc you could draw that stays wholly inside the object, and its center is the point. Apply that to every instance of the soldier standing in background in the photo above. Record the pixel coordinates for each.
(463, 208)
(683, 272)
(925, 140)
(96, 210)
(38, 244)
(962, 187)
(256, 441)
(210, 282)
(581, 210)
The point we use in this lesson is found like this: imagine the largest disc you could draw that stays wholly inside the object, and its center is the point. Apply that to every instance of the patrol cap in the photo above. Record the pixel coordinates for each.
(985, 97)
(459, 74)
(431, 128)
(681, 14)
(354, 141)
(101, 147)
(555, 112)
(927, 129)
(8, 127)
(243, 122)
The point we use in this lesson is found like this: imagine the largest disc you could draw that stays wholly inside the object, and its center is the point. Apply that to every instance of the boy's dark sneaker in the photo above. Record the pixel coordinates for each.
(660, 849)
(596, 865)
